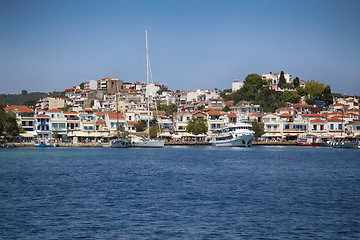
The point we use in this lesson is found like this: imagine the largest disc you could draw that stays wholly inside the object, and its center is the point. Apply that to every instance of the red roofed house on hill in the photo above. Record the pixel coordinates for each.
(24, 116)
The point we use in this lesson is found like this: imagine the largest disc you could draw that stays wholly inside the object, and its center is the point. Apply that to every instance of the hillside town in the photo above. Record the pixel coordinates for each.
(94, 110)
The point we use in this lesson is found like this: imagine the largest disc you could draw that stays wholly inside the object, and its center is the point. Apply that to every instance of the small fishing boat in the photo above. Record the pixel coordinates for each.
(40, 143)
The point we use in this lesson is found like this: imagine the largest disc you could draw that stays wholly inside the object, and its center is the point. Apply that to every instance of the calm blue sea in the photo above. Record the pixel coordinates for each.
(180, 193)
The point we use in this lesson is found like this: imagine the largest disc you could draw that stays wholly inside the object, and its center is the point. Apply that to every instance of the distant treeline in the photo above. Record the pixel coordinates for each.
(19, 99)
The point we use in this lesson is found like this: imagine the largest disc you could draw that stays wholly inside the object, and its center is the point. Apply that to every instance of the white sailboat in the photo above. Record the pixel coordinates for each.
(141, 141)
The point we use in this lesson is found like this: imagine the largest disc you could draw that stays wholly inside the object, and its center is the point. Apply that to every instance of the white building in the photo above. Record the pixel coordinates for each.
(90, 84)
(236, 85)
(275, 77)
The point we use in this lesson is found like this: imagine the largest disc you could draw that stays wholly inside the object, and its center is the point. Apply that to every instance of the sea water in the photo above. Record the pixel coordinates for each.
(180, 193)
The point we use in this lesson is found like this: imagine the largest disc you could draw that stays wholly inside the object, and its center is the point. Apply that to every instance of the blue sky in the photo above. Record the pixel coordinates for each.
(51, 45)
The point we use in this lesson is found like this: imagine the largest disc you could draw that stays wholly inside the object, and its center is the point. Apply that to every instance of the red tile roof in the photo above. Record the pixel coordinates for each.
(334, 119)
(54, 110)
(317, 120)
(19, 108)
(42, 116)
(131, 123)
(214, 112)
(286, 115)
(298, 105)
(311, 115)
(114, 115)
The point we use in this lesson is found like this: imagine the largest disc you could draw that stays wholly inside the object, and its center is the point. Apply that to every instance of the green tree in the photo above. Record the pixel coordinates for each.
(314, 89)
(296, 82)
(82, 85)
(31, 102)
(282, 80)
(300, 91)
(169, 109)
(327, 96)
(8, 124)
(226, 109)
(258, 128)
(291, 96)
(154, 130)
(201, 107)
(197, 126)
(24, 92)
(122, 131)
(140, 126)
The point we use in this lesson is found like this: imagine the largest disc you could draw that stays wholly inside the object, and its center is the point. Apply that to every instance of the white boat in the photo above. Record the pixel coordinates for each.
(347, 142)
(233, 135)
(136, 141)
(119, 143)
(51, 142)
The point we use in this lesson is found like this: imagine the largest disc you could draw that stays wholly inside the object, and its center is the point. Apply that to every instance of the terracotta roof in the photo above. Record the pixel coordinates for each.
(317, 120)
(54, 110)
(68, 89)
(70, 113)
(199, 114)
(311, 115)
(232, 115)
(298, 105)
(214, 112)
(100, 114)
(334, 119)
(100, 122)
(113, 115)
(285, 109)
(131, 123)
(338, 104)
(159, 112)
(42, 116)
(286, 115)
(19, 108)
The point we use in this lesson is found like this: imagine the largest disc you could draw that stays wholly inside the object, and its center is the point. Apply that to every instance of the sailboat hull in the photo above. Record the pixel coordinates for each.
(146, 143)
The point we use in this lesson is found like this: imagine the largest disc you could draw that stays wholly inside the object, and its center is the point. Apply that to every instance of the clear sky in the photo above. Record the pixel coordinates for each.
(48, 45)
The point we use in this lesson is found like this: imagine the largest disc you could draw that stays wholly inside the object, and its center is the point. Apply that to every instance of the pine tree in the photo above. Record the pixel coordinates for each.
(282, 80)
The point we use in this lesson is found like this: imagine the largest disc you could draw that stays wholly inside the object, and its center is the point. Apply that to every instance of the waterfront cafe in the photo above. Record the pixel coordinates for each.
(87, 136)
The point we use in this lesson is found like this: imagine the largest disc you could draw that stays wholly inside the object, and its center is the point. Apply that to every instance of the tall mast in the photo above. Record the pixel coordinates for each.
(147, 81)
(117, 111)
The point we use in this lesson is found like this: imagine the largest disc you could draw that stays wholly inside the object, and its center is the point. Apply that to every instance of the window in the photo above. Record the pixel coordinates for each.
(213, 126)
(269, 127)
(358, 128)
(218, 125)
(275, 127)
(52, 115)
(315, 127)
(287, 126)
(331, 126)
(340, 126)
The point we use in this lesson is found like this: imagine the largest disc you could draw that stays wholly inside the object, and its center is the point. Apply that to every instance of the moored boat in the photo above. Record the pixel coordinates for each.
(233, 135)
(119, 143)
(347, 142)
(136, 141)
(40, 143)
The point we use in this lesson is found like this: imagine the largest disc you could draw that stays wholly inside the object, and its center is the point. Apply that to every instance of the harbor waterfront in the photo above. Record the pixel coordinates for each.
(180, 192)
(96, 144)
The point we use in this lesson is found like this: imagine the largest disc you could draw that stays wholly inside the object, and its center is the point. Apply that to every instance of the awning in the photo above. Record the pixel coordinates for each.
(88, 134)
(272, 134)
(165, 134)
(27, 135)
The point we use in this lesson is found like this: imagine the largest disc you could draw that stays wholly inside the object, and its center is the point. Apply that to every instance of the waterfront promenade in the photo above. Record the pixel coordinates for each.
(77, 145)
